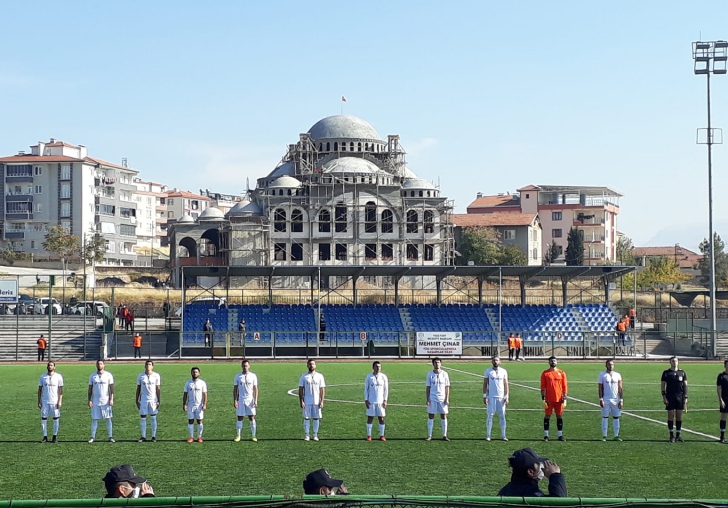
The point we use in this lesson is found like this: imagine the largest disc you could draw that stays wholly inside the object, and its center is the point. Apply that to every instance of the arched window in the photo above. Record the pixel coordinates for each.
(370, 217)
(343, 147)
(412, 221)
(289, 192)
(359, 146)
(324, 221)
(429, 222)
(336, 146)
(351, 146)
(387, 221)
(429, 253)
(412, 194)
(420, 193)
(279, 220)
(297, 221)
(328, 146)
(340, 218)
(366, 147)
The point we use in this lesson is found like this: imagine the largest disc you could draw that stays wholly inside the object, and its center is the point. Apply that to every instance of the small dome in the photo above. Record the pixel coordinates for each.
(408, 173)
(343, 127)
(350, 165)
(417, 183)
(211, 213)
(285, 182)
(245, 208)
(186, 219)
(285, 169)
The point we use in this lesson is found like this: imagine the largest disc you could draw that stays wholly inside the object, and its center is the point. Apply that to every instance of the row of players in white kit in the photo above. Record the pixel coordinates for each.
(311, 393)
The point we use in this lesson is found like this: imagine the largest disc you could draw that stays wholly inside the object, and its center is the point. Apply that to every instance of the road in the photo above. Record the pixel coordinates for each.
(27, 275)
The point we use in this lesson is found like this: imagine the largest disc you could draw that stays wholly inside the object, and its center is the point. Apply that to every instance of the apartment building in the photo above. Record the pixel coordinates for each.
(59, 184)
(223, 202)
(151, 200)
(591, 210)
(181, 203)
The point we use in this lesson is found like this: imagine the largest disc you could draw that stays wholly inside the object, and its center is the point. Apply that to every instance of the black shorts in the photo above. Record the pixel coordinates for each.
(675, 404)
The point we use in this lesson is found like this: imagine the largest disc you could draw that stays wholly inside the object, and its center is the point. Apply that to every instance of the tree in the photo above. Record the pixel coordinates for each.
(481, 245)
(511, 255)
(625, 251)
(552, 254)
(721, 260)
(60, 241)
(662, 270)
(574, 249)
(94, 249)
(8, 254)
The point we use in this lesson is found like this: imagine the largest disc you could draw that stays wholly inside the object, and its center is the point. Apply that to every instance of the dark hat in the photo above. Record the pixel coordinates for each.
(124, 473)
(317, 479)
(525, 458)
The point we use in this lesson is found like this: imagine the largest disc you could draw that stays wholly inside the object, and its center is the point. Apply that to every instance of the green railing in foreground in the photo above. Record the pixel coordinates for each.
(369, 501)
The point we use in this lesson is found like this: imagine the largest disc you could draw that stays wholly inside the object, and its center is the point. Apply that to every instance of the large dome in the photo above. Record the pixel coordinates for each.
(343, 127)
(283, 169)
(350, 165)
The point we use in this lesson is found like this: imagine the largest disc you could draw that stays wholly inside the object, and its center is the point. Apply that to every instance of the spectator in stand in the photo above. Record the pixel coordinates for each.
(208, 329)
(632, 318)
(529, 469)
(241, 330)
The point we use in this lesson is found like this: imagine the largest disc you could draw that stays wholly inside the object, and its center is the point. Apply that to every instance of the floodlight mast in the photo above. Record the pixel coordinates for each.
(710, 58)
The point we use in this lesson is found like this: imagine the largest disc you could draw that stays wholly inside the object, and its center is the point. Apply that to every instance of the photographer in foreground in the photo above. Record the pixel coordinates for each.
(528, 470)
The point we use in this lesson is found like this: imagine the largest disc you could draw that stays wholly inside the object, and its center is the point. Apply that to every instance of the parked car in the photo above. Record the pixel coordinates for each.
(26, 304)
(41, 307)
(82, 307)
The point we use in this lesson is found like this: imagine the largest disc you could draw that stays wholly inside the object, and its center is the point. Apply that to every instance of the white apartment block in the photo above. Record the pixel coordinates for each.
(151, 200)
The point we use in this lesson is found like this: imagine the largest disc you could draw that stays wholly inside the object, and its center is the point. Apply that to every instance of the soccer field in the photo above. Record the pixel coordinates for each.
(643, 465)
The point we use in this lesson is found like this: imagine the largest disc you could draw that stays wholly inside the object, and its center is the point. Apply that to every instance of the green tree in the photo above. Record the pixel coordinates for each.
(721, 260)
(625, 251)
(481, 245)
(574, 249)
(662, 270)
(60, 241)
(8, 254)
(552, 254)
(511, 255)
(94, 249)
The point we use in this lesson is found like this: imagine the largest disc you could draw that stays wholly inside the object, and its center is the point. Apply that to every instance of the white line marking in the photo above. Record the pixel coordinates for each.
(597, 405)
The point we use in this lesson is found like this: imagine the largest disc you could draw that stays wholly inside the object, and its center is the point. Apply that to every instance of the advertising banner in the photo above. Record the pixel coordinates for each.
(9, 291)
(439, 343)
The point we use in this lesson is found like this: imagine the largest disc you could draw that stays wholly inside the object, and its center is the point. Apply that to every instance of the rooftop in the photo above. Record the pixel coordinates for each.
(493, 219)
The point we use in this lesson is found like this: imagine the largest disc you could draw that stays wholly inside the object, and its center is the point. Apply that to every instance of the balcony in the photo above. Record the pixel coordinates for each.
(15, 235)
(581, 220)
(593, 238)
(204, 261)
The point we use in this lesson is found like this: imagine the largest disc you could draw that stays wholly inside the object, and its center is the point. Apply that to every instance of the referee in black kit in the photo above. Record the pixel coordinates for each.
(722, 387)
(675, 396)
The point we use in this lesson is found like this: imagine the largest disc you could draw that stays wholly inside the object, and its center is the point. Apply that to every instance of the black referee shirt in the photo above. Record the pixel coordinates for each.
(675, 382)
(723, 383)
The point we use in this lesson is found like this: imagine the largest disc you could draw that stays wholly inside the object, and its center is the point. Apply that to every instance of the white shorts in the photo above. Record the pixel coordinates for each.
(611, 408)
(102, 412)
(195, 413)
(376, 409)
(148, 408)
(496, 405)
(312, 412)
(245, 409)
(50, 410)
(436, 407)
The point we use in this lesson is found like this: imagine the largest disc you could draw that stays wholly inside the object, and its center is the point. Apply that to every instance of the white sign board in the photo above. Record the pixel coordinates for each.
(439, 343)
(9, 291)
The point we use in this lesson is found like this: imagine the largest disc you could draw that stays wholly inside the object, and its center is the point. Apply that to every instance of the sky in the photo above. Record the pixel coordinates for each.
(486, 96)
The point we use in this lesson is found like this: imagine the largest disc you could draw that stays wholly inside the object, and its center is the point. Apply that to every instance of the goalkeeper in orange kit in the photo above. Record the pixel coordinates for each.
(553, 393)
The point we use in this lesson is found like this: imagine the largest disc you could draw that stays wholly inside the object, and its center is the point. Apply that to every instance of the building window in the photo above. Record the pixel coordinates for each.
(65, 191)
(556, 233)
(528, 196)
(413, 252)
(65, 172)
(107, 210)
(387, 251)
(370, 251)
(279, 220)
(387, 224)
(19, 170)
(429, 252)
(32, 244)
(324, 251)
(170, 201)
(39, 207)
(535, 253)
(127, 230)
(509, 234)
(296, 252)
(340, 219)
(557, 216)
(18, 207)
(65, 209)
(66, 225)
(412, 221)
(170, 215)
(341, 254)
(296, 222)
(39, 189)
(370, 217)
(38, 171)
(324, 219)
(279, 252)
(429, 221)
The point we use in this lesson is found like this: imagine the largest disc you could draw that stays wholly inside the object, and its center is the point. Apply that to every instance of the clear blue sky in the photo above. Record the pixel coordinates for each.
(487, 96)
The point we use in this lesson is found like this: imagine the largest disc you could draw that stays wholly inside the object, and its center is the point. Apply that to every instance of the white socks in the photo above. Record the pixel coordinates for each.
(44, 426)
(191, 429)
(605, 426)
(143, 427)
(488, 425)
(238, 427)
(316, 427)
(369, 429)
(56, 424)
(94, 426)
(109, 427)
(616, 425)
(200, 428)
(307, 427)
(381, 429)
(154, 425)
(443, 424)
(430, 425)
(502, 419)
(253, 427)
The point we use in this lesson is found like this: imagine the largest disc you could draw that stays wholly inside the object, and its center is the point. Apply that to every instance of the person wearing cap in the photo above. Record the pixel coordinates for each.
(122, 481)
(528, 469)
(320, 483)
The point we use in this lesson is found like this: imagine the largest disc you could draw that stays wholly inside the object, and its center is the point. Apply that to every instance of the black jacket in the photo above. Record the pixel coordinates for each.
(528, 487)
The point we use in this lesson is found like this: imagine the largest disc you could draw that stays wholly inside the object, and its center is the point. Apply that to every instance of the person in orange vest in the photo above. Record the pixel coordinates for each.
(621, 329)
(42, 345)
(632, 317)
(511, 346)
(137, 343)
(519, 346)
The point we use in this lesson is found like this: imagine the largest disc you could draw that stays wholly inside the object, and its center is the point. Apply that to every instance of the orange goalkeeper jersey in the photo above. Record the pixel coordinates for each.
(553, 382)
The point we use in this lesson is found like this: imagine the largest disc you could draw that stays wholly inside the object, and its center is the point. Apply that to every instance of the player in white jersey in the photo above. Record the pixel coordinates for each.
(376, 393)
(148, 398)
(495, 396)
(245, 400)
(101, 400)
(438, 398)
(311, 391)
(194, 401)
(610, 399)
(50, 400)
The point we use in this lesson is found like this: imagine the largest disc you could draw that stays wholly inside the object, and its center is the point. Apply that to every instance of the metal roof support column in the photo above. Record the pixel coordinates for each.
(270, 289)
(480, 291)
(564, 290)
(522, 284)
(355, 295)
(438, 289)
(605, 280)
(396, 291)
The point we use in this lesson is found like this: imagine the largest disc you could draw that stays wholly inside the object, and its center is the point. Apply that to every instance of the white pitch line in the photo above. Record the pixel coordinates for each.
(597, 405)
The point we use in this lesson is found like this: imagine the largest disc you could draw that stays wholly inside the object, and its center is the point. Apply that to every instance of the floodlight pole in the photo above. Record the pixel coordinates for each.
(707, 54)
